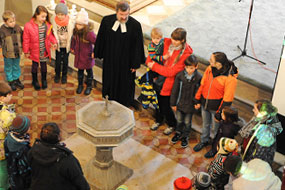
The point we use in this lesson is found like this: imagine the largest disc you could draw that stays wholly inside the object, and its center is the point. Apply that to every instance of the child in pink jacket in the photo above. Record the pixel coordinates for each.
(37, 41)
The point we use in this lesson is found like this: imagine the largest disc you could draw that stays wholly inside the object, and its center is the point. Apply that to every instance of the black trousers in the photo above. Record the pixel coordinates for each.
(165, 111)
(61, 62)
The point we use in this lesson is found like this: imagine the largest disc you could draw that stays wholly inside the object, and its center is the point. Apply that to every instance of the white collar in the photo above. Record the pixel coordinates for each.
(117, 24)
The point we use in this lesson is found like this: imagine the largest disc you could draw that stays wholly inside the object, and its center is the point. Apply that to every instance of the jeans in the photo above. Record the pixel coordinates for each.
(184, 123)
(12, 68)
(165, 111)
(208, 121)
(35, 66)
(61, 62)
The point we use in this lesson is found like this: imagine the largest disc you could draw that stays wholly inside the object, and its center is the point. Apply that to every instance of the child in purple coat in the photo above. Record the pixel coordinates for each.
(82, 46)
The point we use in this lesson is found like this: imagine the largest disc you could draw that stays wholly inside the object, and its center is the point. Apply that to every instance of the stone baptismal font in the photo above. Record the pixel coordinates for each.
(106, 124)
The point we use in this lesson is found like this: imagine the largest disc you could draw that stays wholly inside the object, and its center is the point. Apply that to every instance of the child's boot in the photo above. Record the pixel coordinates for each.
(64, 73)
(80, 83)
(57, 77)
(44, 80)
(12, 85)
(19, 84)
(35, 81)
(89, 86)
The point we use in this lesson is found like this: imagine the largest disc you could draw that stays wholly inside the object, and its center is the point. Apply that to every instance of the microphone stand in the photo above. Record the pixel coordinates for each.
(243, 52)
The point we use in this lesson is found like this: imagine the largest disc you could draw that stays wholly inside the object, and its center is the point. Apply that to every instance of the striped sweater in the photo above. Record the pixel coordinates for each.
(155, 52)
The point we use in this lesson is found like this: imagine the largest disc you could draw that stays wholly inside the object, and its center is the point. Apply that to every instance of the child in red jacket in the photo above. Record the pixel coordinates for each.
(37, 41)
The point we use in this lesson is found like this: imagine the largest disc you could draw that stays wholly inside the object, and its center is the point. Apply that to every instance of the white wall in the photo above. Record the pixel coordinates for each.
(278, 99)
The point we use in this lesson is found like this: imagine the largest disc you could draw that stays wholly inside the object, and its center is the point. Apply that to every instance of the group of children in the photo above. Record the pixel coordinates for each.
(62, 34)
(47, 164)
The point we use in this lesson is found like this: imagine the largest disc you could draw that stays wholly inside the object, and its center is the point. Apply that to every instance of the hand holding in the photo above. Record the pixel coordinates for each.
(150, 64)
(174, 108)
(197, 106)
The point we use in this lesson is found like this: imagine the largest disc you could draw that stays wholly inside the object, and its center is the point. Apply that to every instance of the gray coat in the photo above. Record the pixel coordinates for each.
(184, 90)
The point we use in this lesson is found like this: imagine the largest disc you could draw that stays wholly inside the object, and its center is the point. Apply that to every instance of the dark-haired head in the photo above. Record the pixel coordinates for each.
(220, 61)
(41, 9)
(230, 114)
(50, 133)
(191, 61)
(122, 6)
(233, 164)
(179, 34)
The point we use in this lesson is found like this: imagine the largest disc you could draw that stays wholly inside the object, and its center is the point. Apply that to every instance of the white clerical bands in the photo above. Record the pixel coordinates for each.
(117, 24)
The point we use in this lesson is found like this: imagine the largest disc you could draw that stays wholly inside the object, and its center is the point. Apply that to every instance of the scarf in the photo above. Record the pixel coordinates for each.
(63, 22)
(117, 24)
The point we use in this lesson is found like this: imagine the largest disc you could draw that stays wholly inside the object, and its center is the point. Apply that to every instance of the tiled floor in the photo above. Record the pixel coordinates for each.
(58, 103)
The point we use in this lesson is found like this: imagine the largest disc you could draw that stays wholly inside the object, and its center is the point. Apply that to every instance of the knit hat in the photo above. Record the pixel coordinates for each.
(227, 145)
(183, 183)
(202, 181)
(82, 17)
(61, 8)
(122, 187)
(21, 124)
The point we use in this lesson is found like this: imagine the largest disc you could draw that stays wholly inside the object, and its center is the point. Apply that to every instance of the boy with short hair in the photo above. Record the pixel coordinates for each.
(17, 145)
(11, 43)
(183, 92)
(7, 114)
(155, 47)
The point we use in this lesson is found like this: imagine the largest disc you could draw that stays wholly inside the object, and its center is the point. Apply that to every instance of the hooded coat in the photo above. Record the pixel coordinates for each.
(16, 152)
(263, 145)
(217, 88)
(31, 41)
(229, 130)
(54, 167)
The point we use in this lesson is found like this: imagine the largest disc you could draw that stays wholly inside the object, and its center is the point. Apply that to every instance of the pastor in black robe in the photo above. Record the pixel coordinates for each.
(121, 52)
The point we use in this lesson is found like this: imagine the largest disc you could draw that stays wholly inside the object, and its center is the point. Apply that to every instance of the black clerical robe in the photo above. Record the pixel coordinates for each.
(121, 52)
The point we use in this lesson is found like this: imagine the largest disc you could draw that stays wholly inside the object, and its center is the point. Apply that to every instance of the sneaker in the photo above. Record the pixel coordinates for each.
(176, 138)
(184, 142)
(155, 126)
(168, 130)
(210, 154)
(200, 146)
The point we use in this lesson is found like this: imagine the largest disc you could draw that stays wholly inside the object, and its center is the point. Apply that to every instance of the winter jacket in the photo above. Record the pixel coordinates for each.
(263, 144)
(184, 90)
(54, 167)
(257, 175)
(217, 90)
(170, 68)
(83, 50)
(31, 43)
(19, 170)
(70, 28)
(229, 130)
(11, 41)
(7, 115)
